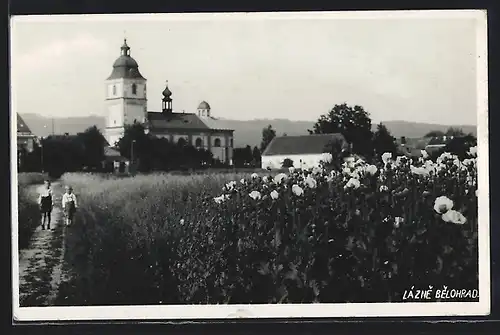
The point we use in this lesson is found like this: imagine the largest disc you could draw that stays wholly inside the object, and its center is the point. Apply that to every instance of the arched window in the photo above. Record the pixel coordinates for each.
(181, 141)
(231, 143)
(198, 142)
(134, 89)
(114, 89)
(217, 142)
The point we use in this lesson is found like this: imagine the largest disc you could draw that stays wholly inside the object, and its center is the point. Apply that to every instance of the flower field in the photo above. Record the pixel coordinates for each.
(362, 233)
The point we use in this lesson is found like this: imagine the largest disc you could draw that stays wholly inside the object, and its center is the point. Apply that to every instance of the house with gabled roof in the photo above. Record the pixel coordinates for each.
(304, 151)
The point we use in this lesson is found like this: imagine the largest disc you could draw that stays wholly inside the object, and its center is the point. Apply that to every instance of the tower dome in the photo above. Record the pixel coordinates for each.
(125, 66)
(204, 105)
(166, 92)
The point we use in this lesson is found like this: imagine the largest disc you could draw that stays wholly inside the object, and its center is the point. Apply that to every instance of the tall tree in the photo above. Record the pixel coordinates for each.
(93, 146)
(352, 122)
(383, 141)
(268, 133)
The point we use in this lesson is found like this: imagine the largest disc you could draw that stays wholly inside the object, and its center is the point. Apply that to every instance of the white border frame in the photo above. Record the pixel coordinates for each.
(285, 310)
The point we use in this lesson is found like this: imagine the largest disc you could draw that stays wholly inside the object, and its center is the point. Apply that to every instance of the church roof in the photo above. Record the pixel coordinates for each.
(22, 127)
(301, 145)
(159, 121)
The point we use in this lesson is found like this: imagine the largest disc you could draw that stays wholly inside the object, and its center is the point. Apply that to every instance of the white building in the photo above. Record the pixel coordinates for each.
(304, 151)
(126, 103)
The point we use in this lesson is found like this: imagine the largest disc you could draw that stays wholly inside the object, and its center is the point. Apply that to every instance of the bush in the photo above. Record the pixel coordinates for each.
(31, 178)
(28, 215)
(362, 234)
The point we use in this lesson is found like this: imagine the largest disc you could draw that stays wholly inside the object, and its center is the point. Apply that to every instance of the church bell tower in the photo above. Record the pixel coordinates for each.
(126, 100)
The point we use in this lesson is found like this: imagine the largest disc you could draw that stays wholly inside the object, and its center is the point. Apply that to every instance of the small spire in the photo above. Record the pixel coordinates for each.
(125, 48)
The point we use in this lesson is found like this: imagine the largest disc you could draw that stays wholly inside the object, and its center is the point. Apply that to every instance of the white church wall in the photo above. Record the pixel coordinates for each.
(134, 110)
(299, 161)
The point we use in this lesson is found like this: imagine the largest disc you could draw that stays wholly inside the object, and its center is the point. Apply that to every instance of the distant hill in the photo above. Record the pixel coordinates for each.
(245, 132)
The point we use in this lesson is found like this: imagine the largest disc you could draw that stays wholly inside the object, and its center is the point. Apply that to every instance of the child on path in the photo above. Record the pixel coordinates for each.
(46, 203)
(69, 205)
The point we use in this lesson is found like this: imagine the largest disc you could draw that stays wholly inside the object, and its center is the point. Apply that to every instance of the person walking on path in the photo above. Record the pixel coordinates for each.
(69, 205)
(46, 203)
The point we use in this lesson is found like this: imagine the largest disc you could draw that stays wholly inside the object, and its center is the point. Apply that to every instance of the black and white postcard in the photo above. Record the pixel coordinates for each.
(250, 165)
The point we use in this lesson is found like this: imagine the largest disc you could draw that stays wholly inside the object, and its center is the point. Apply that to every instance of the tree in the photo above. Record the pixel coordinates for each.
(460, 145)
(352, 122)
(383, 141)
(338, 151)
(434, 133)
(268, 133)
(287, 162)
(62, 153)
(93, 147)
(242, 157)
(256, 157)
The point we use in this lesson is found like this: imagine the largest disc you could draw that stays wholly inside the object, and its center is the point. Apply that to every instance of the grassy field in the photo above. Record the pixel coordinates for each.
(362, 234)
(28, 210)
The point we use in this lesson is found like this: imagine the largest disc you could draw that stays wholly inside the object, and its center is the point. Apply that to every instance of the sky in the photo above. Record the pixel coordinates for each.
(416, 68)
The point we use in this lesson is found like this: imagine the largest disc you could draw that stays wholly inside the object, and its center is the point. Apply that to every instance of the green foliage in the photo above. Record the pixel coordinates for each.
(93, 147)
(383, 141)
(460, 145)
(28, 212)
(174, 239)
(434, 133)
(268, 133)
(149, 153)
(352, 122)
(287, 162)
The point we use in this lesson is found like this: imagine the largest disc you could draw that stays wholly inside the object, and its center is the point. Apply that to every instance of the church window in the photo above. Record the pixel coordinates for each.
(114, 89)
(134, 89)
(231, 143)
(198, 142)
(217, 142)
(181, 141)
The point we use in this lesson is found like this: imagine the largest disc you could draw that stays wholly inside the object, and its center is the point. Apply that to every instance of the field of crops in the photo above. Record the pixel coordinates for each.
(364, 233)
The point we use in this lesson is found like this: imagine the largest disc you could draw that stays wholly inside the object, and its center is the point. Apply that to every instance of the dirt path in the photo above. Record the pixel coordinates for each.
(40, 265)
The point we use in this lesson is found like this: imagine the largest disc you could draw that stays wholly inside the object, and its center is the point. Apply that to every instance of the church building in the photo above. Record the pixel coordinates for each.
(126, 104)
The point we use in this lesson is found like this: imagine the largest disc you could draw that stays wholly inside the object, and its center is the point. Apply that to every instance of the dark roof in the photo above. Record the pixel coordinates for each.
(204, 105)
(159, 121)
(296, 145)
(22, 127)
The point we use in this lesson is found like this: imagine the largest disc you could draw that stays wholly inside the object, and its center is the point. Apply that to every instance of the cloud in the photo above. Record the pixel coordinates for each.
(57, 54)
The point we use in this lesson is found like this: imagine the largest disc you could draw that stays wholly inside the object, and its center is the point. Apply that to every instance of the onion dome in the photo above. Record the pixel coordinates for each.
(166, 92)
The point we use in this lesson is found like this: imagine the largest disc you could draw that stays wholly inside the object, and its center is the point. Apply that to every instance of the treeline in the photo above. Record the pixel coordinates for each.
(58, 154)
